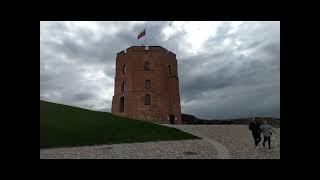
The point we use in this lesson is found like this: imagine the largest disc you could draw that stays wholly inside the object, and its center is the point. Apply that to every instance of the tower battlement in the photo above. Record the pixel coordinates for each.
(146, 49)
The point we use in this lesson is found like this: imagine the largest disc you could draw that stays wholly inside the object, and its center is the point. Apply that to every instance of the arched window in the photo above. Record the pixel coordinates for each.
(147, 66)
(147, 99)
(169, 69)
(148, 84)
(124, 69)
(123, 86)
(122, 104)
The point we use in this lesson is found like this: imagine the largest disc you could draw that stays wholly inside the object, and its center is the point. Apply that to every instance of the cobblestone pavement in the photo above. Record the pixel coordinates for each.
(219, 142)
(183, 149)
(237, 139)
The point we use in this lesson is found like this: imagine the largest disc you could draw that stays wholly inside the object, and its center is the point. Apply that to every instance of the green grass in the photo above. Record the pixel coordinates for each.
(64, 126)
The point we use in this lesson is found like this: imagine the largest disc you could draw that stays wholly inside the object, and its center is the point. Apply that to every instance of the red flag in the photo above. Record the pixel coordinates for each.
(143, 33)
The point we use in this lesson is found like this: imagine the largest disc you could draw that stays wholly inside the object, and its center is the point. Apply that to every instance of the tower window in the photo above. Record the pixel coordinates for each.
(124, 69)
(169, 70)
(147, 84)
(147, 99)
(122, 104)
(147, 66)
(123, 86)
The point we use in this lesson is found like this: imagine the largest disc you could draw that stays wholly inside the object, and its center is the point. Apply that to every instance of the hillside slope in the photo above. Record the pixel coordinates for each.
(62, 125)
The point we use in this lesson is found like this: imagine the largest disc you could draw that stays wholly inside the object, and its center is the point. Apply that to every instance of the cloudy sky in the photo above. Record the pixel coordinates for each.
(226, 69)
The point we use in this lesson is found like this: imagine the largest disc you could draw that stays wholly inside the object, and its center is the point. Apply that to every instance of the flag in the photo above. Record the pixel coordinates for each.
(143, 33)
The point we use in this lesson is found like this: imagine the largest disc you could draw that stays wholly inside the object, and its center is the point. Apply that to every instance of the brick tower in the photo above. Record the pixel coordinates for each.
(147, 85)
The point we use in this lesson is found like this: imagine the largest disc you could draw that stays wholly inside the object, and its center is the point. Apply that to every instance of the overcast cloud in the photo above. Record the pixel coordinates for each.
(226, 69)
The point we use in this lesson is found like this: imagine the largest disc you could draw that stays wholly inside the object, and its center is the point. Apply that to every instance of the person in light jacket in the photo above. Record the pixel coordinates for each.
(267, 132)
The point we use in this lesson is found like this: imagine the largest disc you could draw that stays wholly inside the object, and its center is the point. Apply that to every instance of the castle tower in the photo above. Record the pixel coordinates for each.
(147, 85)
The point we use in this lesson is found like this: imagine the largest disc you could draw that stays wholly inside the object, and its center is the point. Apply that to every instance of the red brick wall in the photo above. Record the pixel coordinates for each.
(164, 89)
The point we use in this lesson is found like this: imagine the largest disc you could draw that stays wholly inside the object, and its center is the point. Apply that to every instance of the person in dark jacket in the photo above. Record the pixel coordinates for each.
(254, 126)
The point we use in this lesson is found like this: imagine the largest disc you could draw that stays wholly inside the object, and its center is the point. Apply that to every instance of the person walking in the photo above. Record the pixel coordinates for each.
(267, 132)
(256, 131)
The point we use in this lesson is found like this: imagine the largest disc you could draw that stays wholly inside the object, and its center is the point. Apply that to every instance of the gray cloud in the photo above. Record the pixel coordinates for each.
(237, 73)
(219, 75)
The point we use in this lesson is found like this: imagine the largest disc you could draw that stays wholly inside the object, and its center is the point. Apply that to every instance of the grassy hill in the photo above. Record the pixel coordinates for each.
(62, 125)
